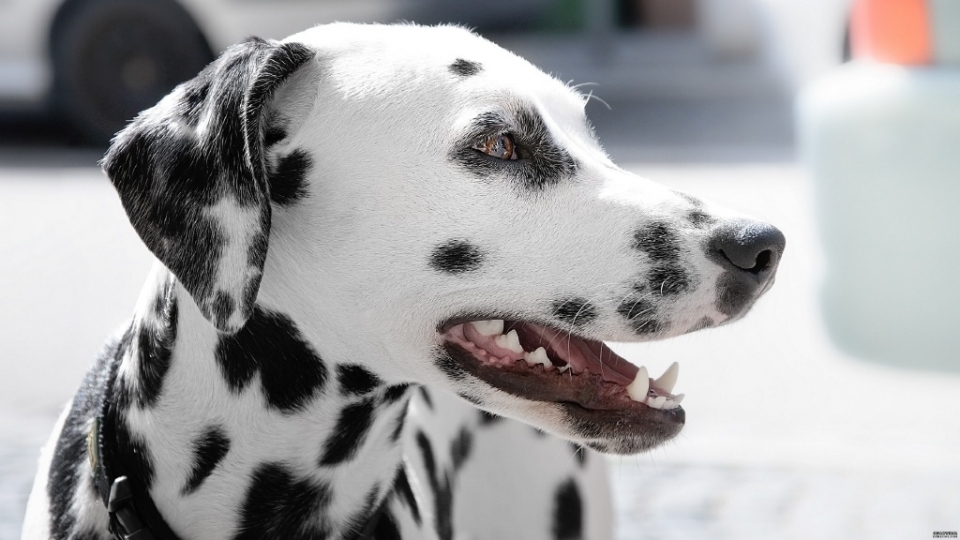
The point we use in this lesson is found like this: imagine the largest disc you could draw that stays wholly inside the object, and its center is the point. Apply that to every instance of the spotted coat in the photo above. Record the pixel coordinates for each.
(328, 214)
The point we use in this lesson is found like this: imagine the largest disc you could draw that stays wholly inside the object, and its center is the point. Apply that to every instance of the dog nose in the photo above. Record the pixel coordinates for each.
(752, 247)
(749, 251)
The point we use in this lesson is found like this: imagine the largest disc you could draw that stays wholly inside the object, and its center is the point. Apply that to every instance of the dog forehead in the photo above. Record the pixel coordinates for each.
(365, 59)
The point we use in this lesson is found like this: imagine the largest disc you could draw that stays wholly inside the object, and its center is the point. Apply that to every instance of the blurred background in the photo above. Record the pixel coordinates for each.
(831, 412)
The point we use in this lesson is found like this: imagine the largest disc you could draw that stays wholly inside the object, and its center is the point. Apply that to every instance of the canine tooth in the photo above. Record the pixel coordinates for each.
(678, 398)
(538, 356)
(564, 368)
(657, 402)
(670, 404)
(489, 328)
(668, 380)
(510, 341)
(637, 390)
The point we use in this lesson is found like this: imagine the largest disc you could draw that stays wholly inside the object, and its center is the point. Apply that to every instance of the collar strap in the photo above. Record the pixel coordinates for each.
(133, 514)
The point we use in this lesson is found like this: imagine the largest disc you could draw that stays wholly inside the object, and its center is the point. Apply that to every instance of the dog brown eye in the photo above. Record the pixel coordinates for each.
(499, 146)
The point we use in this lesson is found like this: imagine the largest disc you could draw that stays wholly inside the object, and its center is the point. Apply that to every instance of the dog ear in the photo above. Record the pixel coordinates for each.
(192, 177)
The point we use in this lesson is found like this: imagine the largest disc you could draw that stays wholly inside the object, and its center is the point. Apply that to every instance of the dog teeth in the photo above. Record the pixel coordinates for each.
(538, 356)
(677, 398)
(637, 390)
(668, 380)
(657, 402)
(509, 341)
(488, 328)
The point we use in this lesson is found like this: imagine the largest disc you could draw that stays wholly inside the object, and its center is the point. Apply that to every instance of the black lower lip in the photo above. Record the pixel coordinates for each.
(662, 424)
(623, 433)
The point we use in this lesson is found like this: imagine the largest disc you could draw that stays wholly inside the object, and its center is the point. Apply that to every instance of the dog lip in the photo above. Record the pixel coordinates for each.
(447, 324)
(628, 432)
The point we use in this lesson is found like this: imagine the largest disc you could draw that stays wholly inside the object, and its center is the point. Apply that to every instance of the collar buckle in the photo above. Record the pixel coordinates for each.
(125, 522)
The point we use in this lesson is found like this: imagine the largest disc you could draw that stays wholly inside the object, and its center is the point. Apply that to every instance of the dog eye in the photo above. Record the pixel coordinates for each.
(498, 146)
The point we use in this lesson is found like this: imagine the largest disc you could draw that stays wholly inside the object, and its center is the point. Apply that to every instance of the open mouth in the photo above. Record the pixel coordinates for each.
(541, 363)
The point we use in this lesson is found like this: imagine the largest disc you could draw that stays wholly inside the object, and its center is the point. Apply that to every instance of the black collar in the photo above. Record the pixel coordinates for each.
(133, 515)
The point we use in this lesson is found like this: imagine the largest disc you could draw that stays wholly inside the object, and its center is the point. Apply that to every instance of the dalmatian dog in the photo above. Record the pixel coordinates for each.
(388, 258)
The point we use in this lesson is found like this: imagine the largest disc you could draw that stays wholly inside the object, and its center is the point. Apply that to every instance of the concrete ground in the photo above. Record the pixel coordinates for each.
(786, 437)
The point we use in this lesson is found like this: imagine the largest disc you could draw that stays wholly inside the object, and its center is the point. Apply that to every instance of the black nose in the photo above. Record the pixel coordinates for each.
(750, 252)
(749, 246)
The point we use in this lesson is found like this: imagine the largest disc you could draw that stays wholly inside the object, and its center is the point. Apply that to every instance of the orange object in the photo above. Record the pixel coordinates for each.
(896, 31)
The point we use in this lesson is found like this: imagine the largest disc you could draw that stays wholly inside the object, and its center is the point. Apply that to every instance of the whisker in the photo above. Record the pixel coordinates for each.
(577, 86)
(591, 96)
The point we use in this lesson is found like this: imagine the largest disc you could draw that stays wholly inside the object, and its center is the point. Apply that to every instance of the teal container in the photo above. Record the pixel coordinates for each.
(882, 144)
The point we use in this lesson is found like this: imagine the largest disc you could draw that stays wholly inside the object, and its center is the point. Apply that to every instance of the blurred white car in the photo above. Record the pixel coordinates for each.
(102, 61)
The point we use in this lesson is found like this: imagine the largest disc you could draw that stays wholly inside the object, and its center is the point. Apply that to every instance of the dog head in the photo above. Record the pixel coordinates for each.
(440, 211)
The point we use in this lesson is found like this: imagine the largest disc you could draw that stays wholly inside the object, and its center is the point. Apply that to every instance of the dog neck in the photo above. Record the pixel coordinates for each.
(231, 428)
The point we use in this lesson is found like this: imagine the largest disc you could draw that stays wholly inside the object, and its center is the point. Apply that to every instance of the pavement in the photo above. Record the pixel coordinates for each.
(787, 437)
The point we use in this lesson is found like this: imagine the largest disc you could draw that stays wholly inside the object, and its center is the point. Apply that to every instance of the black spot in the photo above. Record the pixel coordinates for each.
(356, 380)
(348, 435)
(273, 133)
(700, 219)
(465, 68)
(488, 419)
(568, 512)
(132, 454)
(426, 451)
(450, 367)
(574, 311)
(250, 298)
(386, 528)
(659, 241)
(426, 397)
(288, 180)
(208, 450)
(401, 485)
(456, 257)
(460, 448)
(580, 453)
(441, 487)
(291, 373)
(194, 97)
(642, 316)
(276, 505)
(223, 306)
(542, 162)
(155, 342)
(395, 393)
(398, 425)
(668, 279)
